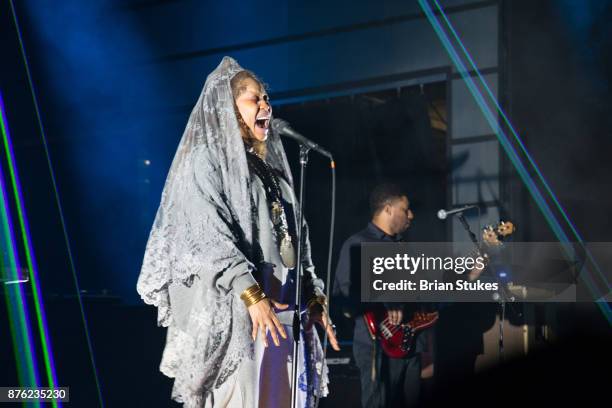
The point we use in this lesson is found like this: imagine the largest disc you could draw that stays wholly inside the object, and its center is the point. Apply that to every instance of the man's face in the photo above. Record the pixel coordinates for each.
(400, 215)
(254, 108)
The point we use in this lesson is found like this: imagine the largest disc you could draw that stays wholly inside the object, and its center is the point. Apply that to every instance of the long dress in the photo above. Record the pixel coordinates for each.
(265, 381)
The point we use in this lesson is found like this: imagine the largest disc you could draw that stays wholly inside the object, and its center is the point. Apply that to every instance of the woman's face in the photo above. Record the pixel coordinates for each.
(254, 107)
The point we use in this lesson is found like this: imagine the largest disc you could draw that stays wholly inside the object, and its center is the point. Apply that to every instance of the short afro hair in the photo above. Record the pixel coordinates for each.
(383, 194)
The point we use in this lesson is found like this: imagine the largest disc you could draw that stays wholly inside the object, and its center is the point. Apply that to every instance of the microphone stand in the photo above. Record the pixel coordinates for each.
(298, 278)
(502, 297)
(469, 231)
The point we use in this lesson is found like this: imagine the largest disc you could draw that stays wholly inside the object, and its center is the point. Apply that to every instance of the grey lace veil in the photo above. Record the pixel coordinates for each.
(211, 144)
(203, 225)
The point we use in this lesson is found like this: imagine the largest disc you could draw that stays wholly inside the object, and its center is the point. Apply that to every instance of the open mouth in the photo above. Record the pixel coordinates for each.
(262, 123)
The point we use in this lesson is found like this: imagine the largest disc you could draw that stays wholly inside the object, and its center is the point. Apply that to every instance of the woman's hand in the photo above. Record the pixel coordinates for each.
(317, 313)
(264, 319)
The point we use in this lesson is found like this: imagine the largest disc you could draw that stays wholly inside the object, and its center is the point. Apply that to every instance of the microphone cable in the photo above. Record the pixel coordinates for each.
(332, 166)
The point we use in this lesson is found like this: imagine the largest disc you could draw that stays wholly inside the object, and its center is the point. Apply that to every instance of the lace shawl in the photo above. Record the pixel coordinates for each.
(204, 227)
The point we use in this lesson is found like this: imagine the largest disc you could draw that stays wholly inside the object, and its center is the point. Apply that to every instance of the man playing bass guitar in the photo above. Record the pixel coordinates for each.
(385, 381)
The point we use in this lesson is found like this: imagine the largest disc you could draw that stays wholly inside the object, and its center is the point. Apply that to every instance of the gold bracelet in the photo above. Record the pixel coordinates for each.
(252, 295)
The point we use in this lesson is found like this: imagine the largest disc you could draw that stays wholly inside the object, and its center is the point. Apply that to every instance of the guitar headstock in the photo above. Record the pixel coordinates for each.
(494, 235)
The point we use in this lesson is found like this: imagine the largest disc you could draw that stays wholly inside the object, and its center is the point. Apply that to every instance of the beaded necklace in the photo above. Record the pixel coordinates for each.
(277, 211)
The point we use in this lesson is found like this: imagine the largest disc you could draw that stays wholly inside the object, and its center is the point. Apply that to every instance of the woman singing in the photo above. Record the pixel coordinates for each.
(220, 261)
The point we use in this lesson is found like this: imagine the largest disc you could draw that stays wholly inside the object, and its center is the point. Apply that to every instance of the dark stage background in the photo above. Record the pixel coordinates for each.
(115, 82)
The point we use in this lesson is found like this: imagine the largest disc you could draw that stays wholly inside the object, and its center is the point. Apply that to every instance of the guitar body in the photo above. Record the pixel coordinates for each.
(397, 341)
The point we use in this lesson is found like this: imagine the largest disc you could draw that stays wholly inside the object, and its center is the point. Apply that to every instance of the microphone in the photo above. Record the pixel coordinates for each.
(283, 128)
(442, 214)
